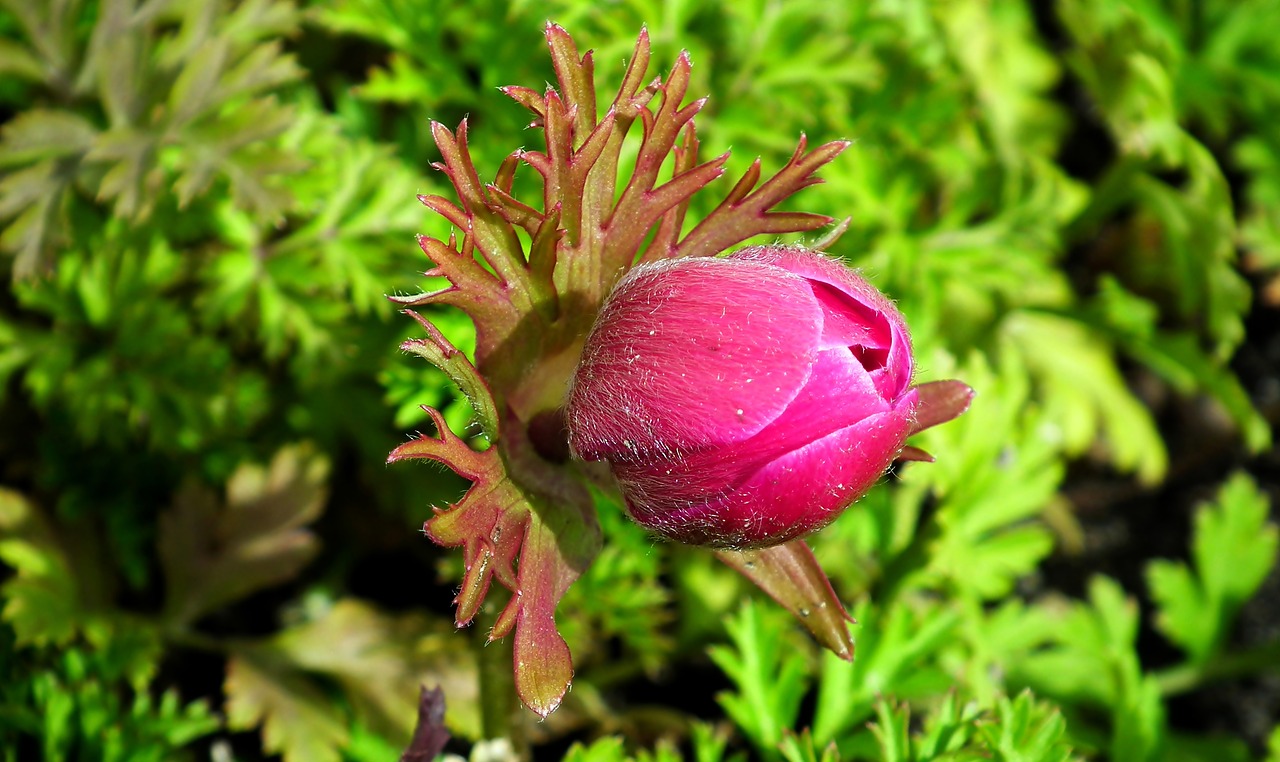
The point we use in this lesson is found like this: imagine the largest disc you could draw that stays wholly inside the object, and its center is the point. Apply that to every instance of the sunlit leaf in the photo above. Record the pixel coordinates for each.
(1233, 550)
(298, 720)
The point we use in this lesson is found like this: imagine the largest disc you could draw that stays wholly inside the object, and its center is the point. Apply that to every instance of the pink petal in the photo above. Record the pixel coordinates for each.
(840, 393)
(830, 277)
(791, 496)
(691, 353)
(807, 488)
(848, 322)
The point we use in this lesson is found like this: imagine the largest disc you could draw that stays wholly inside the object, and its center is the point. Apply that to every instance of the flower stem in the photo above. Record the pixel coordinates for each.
(497, 684)
(1185, 678)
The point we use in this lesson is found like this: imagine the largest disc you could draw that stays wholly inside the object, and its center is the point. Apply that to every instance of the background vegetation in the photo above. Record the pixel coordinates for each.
(202, 204)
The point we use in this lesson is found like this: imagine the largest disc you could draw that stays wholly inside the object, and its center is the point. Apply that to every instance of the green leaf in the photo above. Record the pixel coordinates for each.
(948, 729)
(1139, 730)
(1028, 731)
(39, 134)
(34, 197)
(42, 598)
(769, 677)
(801, 748)
(898, 652)
(622, 598)
(1002, 468)
(1094, 662)
(1233, 549)
(607, 749)
(1084, 393)
(1175, 357)
(17, 61)
(1019, 730)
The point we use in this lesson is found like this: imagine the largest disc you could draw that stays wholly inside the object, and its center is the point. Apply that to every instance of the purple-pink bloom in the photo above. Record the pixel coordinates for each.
(743, 401)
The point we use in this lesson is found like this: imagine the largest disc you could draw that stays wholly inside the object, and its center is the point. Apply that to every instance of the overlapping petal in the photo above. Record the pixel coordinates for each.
(745, 401)
(688, 354)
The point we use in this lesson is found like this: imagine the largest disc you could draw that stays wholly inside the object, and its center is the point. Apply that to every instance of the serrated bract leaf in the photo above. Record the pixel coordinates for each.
(551, 531)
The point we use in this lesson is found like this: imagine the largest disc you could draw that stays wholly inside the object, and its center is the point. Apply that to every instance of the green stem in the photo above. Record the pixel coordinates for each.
(498, 709)
(1185, 678)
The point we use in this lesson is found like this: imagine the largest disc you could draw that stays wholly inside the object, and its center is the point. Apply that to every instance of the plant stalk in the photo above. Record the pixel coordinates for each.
(1185, 678)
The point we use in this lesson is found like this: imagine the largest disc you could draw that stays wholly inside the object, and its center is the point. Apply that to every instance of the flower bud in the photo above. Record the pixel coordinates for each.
(743, 401)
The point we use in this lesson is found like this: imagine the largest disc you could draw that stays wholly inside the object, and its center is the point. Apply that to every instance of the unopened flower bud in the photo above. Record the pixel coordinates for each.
(743, 401)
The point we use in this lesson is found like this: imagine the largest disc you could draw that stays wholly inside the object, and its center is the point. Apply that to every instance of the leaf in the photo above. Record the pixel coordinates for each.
(1094, 661)
(39, 134)
(1028, 731)
(769, 678)
(801, 748)
(550, 528)
(1085, 393)
(1177, 357)
(1234, 547)
(1002, 473)
(18, 62)
(34, 197)
(1139, 723)
(438, 351)
(378, 660)
(898, 653)
(606, 749)
(297, 720)
(622, 599)
(42, 598)
(215, 553)
(430, 736)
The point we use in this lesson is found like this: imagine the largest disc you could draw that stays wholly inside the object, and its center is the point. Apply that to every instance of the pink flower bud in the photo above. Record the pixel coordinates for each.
(745, 401)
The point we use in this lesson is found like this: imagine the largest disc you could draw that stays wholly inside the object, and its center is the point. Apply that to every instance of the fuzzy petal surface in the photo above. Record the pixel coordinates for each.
(746, 401)
(790, 496)
(689, 354)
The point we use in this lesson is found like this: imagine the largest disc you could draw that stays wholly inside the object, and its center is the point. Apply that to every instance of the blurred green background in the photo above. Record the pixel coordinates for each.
(203, 203)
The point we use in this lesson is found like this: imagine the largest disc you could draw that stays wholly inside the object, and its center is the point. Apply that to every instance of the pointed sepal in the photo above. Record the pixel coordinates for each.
(940, 401)
(790, 574)
(440, 352)
(556, 552)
